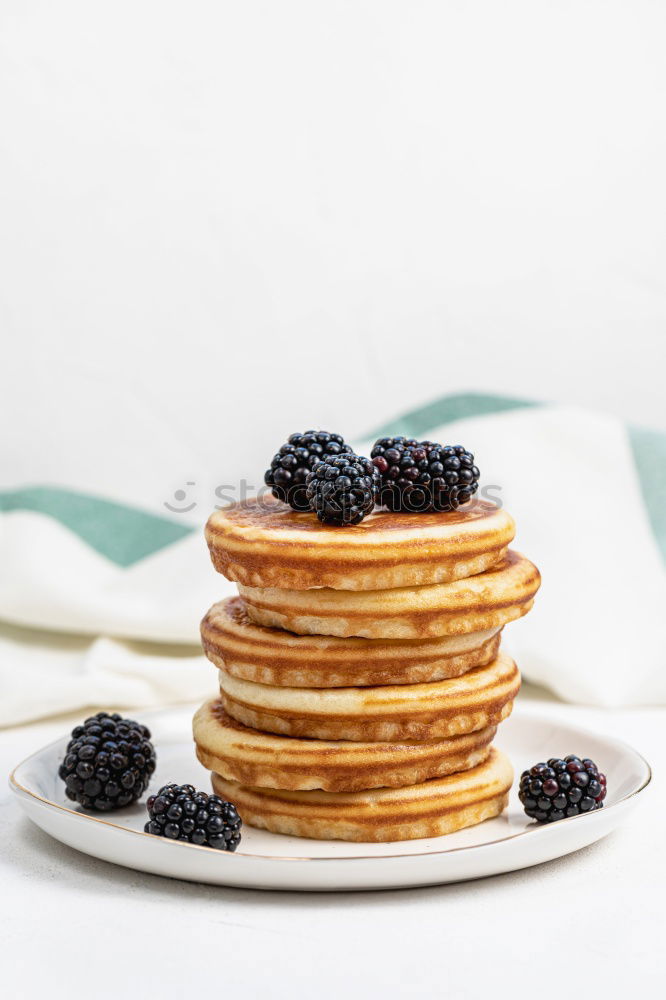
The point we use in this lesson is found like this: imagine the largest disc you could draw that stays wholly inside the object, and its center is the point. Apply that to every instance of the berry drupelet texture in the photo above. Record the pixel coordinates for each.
(561, 788)
(295, 459)
(180, 812)
(419, 476)
(108, 762)
(343, 489)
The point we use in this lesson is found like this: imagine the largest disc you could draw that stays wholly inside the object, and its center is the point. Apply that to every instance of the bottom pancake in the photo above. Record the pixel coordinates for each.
(429, 809)
(236, 752)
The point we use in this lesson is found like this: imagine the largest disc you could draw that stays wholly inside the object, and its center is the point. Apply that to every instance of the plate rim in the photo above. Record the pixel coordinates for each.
(541, 829)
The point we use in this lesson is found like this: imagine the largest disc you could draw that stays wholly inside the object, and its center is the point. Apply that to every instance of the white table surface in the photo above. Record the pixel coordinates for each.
(592, 920)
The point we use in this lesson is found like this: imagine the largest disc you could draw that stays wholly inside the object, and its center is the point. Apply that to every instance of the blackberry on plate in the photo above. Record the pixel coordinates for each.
(343, 489)
(420, 476)
(295, 459)
(108, 762)
(561, 788)
(180, 812)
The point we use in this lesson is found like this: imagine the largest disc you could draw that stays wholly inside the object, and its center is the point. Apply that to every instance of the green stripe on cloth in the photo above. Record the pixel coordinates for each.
(446, 409)
(123, 534)
(649, 448)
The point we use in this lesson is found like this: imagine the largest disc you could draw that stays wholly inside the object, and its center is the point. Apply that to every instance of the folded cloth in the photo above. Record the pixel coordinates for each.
(99, 606)
(589, 498)
(45, 673)
(102, 602)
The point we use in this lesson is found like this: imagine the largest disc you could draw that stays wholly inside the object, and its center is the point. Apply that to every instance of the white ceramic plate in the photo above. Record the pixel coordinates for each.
(271, 861)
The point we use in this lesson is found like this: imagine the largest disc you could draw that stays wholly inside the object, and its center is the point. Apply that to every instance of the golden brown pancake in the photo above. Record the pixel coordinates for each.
(262, 542)
(252, 652)
(428, 809)
(241, 754)
(480, 698)
(485, 601)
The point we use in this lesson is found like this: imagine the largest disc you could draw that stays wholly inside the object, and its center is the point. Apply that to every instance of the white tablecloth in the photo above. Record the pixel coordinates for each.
(594, 919)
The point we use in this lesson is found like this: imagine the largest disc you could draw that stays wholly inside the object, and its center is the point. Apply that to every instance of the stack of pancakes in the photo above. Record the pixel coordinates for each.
(361, 679)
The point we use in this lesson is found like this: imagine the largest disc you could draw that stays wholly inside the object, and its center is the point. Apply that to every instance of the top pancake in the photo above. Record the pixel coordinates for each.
(262, 542)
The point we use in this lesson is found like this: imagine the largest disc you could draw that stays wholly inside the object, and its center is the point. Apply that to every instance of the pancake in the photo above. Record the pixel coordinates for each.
(272, 656)
(485, 601)
(262, 542)
(428, 809)
(253, 758)
(480, 698)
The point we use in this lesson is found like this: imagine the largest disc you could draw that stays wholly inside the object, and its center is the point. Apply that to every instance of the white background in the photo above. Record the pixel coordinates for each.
(222, 222)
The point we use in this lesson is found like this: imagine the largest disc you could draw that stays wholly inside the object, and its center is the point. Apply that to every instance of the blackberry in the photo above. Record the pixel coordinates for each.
(343, 489)
(420, 476)
(108, 762)
(562, 788)
(180, 812)
(295, 459)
